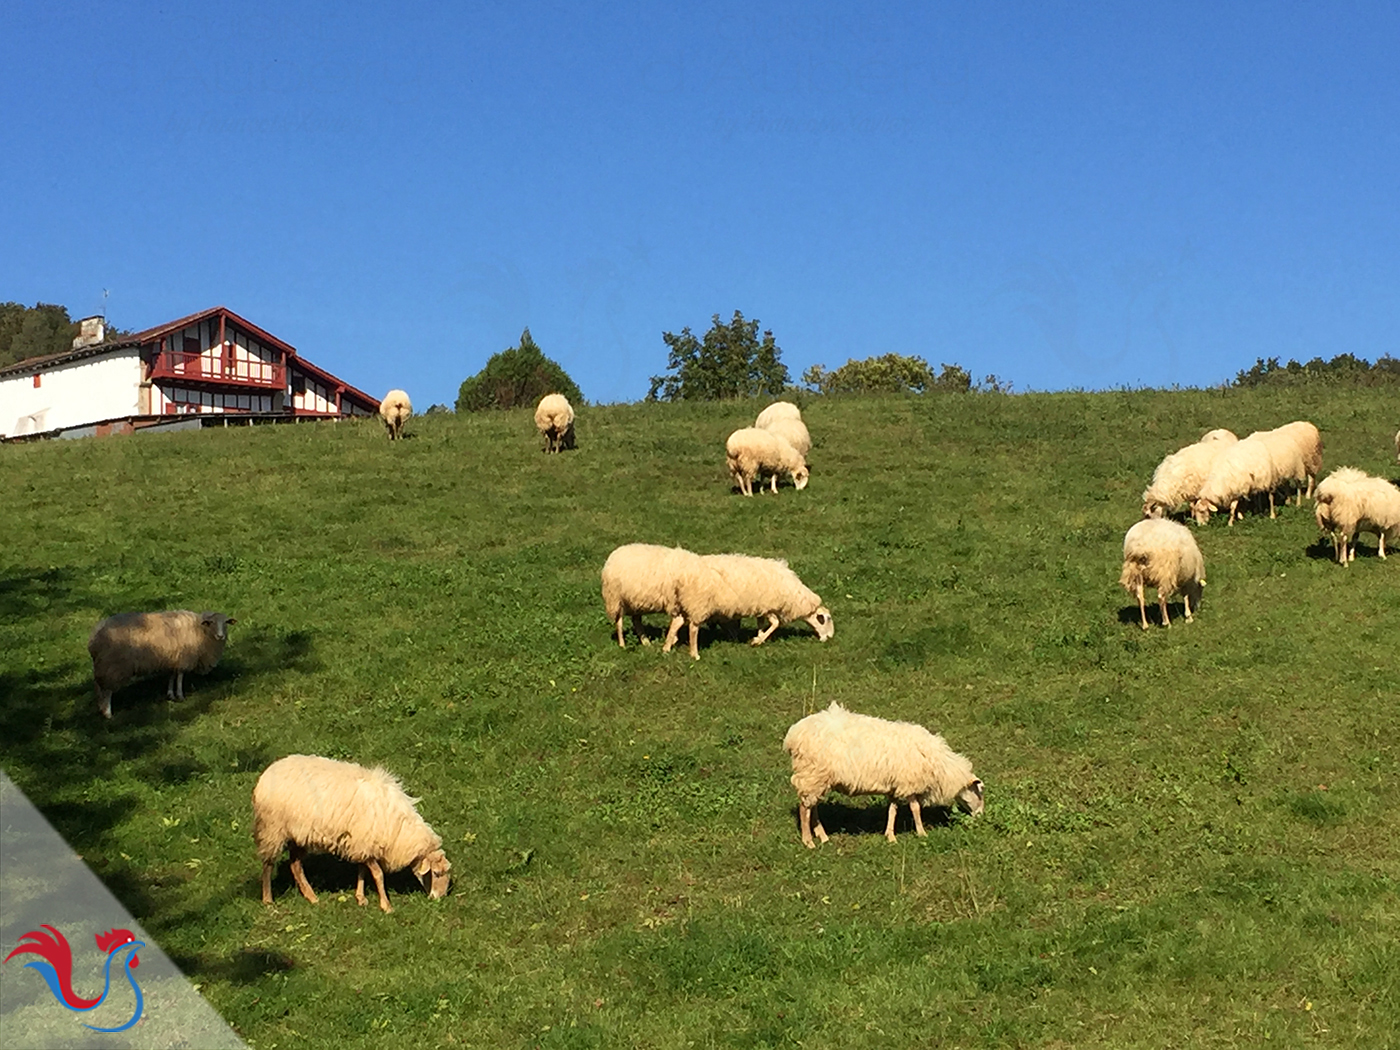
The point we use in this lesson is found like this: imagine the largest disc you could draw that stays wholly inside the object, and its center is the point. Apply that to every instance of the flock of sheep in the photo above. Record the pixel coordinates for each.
(307, 803)
(1221, 471)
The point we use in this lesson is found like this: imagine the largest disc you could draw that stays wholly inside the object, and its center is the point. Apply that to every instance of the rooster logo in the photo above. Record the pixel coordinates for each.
(55, 966)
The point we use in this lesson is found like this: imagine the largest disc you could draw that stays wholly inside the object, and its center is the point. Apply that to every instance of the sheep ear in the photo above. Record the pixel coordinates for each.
(977, 787)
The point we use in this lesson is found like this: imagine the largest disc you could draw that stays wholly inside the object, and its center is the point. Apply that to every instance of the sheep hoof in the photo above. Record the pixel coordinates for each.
(809, 844)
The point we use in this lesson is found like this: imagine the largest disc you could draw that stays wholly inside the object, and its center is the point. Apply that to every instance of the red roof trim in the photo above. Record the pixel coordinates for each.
(150, 335)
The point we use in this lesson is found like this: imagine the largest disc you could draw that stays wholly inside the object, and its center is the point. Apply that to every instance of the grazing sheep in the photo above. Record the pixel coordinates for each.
(1350, 502)
(753, 451)
(793, 431)
(1162, 554)
(554, 418)
(395, 410)
(1243, 469)
(645, 578)
(777, 410)
(1222, 434)
(307, 803)
(839, 750)
(132, 644)
(737, 585)
(1178, 478)
(1297, 455)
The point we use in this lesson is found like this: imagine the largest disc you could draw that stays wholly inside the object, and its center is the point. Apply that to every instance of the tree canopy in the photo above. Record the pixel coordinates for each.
(34, 331)
(1344, 369)
(730, 362)
(516, 377)
(895, 374)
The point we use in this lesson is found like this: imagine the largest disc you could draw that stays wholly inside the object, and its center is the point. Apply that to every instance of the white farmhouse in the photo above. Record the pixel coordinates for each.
(213, 363)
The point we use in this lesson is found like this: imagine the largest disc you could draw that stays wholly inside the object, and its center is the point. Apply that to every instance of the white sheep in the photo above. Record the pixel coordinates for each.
(753, 452)
(777, 410)
(1241, 470)
(1178, 478)
(839, 750)
(1222, 434)
(395, 410)
(128, 645)
(554, 419)
(1162, 554)
(643, 578)
(308, 803)
(793, 431)
(1350, 502)
(738, 585)
(1297, 454)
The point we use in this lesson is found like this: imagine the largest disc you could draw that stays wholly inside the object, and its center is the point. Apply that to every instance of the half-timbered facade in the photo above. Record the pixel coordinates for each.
(210, 363)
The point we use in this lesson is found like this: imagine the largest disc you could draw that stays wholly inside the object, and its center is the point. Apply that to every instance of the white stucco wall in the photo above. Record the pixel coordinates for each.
(84, 391)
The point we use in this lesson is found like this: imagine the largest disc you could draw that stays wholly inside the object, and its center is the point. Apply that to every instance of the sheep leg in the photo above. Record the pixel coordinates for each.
(360, 897)
(1273, 513)
(918, 819)
(1186, 599)
(1380, 540)
(889, 824)
(378, 873)
(104, 700)
(775, 482)
(673, 633)
(694, 640)
(638, 630)
(621, 644)
(1233, 505)
(180, 684)
(267, 880)
(300, 878)
(817, 825)
(1142, 605)
(763, 636)
(170, 688)
(805, 817)
(1162, 604)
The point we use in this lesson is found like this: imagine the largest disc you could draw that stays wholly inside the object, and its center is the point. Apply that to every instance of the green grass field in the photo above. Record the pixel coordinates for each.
(1192, 836)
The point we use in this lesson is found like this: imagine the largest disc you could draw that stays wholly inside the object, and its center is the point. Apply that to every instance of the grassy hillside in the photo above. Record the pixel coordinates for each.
(1192, 836)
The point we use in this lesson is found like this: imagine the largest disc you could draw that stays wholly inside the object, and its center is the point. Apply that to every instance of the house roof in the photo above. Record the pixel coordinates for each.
(47, 361)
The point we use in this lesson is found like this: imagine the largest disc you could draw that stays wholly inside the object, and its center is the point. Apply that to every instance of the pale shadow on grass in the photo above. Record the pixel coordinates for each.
(842, 818)
(329, 877)
(1130, 615)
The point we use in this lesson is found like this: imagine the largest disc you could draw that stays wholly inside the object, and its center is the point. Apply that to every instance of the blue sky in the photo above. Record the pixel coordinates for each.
(1065, 195)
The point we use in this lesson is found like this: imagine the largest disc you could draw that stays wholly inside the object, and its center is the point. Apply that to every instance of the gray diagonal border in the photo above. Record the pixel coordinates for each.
(42, 880)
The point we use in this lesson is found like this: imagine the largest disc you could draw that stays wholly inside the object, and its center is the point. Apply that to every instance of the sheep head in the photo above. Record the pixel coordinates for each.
(800, 477)
(434, 871)
(1201, 511)
(822, 622)
(970, 799)
(216, 624)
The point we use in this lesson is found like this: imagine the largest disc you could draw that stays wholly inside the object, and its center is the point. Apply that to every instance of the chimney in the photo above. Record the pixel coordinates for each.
(91, 331)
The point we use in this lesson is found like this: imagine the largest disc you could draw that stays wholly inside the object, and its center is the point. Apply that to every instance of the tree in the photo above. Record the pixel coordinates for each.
(731, 362)
(36, 331)
(517, 376)
(891, 374)
(1344, 369)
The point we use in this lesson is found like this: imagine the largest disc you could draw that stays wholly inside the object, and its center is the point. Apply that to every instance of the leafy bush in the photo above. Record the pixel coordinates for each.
(516, 377)
(731, 362)
(1344, 369)
(894, 374)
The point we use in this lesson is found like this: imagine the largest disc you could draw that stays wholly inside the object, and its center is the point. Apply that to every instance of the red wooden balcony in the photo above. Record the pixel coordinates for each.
(200, 368)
